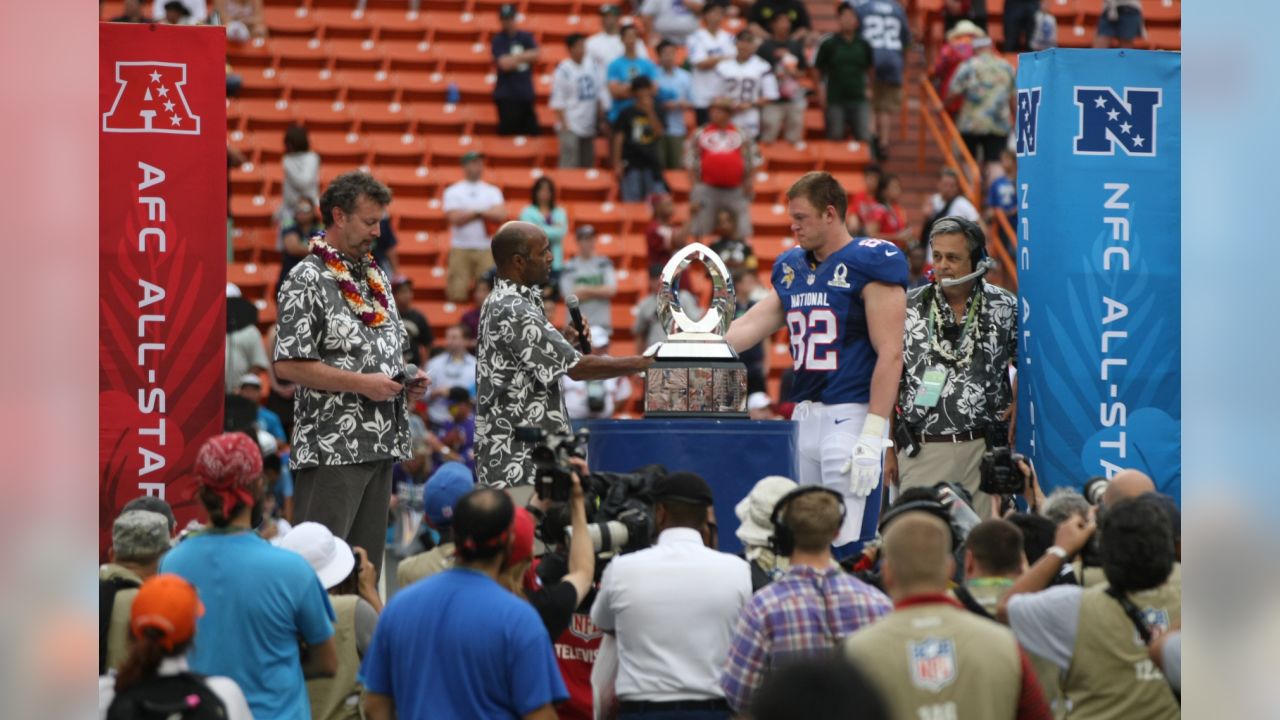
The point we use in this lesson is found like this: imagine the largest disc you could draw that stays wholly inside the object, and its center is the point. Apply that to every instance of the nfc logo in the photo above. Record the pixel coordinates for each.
(1028, 113)
(1107, 121)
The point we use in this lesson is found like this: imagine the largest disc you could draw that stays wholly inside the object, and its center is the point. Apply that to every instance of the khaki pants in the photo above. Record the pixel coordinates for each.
(709, 201)
(782, 118)
(956, 463)
(465, 267)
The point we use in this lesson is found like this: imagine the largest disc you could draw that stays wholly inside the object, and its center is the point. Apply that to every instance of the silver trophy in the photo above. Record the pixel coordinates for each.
(695, 373)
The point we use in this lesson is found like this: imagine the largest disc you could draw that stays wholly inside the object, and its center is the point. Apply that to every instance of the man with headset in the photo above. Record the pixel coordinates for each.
(811, 608)
(956, 394)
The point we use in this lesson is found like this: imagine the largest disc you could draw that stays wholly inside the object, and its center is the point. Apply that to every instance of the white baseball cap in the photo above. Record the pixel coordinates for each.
(328, 555)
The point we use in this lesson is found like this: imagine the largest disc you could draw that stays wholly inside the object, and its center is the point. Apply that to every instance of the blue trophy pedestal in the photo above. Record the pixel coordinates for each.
(731, 454)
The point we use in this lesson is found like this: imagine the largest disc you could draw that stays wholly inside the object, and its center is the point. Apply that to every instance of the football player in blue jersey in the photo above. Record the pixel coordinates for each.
(843, 302)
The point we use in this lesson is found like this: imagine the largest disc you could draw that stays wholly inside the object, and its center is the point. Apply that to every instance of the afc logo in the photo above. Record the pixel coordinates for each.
(150, 100)
(1028, 113)
(1107, 121)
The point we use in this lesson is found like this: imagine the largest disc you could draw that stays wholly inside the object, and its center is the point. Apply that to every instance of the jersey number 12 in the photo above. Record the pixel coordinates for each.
(811, 339)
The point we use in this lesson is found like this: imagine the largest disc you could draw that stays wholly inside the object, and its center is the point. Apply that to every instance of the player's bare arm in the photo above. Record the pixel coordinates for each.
(886, 317)
(764, 319)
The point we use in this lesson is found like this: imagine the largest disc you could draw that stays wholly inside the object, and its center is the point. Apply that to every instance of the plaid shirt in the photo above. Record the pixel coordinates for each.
(805, 612)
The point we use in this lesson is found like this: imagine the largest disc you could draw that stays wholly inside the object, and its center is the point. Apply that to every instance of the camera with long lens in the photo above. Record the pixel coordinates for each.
(552, 473)
(619, 506)
(1094, 489)
(1000, 472)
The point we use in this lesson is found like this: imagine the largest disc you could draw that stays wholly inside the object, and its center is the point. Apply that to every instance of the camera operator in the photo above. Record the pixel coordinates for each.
(1097, 636)
(672, 608)
(755, 529)
(556, 601)
(955, 396)
(521, 359)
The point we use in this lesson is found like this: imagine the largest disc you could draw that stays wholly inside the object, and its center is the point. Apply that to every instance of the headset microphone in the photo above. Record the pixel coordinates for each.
(985, 265)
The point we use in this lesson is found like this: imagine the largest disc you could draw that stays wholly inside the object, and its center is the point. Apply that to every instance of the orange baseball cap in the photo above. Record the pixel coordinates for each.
(169, 604)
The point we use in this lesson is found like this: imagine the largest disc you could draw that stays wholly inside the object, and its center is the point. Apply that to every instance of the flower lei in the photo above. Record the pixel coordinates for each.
(373, 316)
(968, 338)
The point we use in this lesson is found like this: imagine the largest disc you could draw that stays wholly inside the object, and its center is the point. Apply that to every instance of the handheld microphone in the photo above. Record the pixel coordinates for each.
(575, 316)
(985, 265)
(408, 376)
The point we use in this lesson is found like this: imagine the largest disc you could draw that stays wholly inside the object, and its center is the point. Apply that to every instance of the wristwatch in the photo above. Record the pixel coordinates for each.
(1059, 553)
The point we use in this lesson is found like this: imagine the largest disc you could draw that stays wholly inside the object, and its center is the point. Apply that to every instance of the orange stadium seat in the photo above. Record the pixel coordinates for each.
(427, 216)
(440, 314)
(516, 183)
(398, 23)
(299, 53)
(303, 84)
(250, 211)
(679, 184)
(339, 22)
(604, 217)
(637, 215)
(357, 54)
(341, 148)
(783, 156)
(247, 179)
(253, 54)
(381, 117)
(838, 156)
(421, 86)
(289, 21)
(589, 184)
(475, 85)
(443, 118)
(411, 56)
(518, 152)
(768, 189)
(464, 56)
(261, 84)
(449, 149)
(428, 282)
(486, 7)
(404, 150)
(266, 114)
(463, 27)
(365, 85)
(251, 278)
(770, 220)
(320, 115)
(408, 182)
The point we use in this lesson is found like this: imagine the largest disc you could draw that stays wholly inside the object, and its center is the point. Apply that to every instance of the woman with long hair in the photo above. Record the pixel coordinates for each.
(889, 220)
(153, 680)
(544, 213)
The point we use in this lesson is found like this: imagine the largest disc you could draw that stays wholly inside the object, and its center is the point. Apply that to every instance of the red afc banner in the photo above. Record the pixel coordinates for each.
(163, 260)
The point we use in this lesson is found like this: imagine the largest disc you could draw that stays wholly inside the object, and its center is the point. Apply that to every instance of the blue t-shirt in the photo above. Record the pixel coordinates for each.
(624, 70)
(884, 27)
(270, 421)
(513, 84)
(1003, 196)
(258, 601)
(832, 355)
(458, 645)
(678, 86)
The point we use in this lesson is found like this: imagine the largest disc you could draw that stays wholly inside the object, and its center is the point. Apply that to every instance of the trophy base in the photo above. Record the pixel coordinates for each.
(695, 347)
(695, 388)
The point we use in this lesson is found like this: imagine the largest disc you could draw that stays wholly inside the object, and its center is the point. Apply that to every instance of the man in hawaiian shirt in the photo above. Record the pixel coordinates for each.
(340, 338)
(521, 356)
(959, 344)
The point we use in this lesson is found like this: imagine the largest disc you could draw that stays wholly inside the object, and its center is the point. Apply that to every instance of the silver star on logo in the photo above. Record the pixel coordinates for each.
(1100, 102)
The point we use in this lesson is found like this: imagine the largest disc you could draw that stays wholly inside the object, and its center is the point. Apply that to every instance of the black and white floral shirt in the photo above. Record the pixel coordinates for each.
(315, 323)
(520, 359)
(976, 392)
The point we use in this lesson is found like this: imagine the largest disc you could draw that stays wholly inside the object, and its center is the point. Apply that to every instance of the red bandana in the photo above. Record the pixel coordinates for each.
(228, 464)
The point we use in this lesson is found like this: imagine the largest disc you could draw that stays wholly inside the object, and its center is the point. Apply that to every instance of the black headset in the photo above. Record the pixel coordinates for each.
(933, 507)
(973, 237)
(783, 540)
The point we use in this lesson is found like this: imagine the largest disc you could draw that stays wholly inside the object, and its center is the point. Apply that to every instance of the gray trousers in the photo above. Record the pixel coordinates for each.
(854, 117)
(711, 199)
(350, 500)
(575, 151)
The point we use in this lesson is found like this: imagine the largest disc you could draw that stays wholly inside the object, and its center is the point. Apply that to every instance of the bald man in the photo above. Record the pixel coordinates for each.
(521, 358)
(931, 657)
(1127, 484)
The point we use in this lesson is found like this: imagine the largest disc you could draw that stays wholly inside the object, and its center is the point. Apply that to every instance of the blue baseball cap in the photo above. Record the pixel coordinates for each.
(447, 484)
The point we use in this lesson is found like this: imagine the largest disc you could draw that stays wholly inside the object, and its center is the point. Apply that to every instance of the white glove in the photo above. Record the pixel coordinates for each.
(864, 464)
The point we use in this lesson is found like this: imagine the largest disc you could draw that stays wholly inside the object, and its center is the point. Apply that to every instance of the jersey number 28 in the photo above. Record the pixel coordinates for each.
(812, 337)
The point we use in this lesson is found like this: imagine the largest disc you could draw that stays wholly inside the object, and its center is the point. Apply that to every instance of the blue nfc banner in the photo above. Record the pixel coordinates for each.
(1099, 270)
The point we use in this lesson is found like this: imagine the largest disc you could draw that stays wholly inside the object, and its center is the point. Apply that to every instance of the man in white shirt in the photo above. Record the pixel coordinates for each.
(749, 81)
(587, 399)
(673, 20)
(579, 103)
(468, 205)
(672, 608)
(455, 367)
(606, 46)
(707, 47)
(592, 278)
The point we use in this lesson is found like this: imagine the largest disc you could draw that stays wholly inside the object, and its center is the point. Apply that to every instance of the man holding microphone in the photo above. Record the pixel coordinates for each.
(521, 356)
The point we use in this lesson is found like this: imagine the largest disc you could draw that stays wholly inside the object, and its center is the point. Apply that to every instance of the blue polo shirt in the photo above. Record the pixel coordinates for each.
(624, 70)
(513, 84)
(458, 645)
(258, 601)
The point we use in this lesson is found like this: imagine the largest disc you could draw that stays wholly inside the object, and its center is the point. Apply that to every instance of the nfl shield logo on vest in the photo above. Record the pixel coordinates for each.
(933, 663)
(150, 100)
(1028, 113)
(1106, 121)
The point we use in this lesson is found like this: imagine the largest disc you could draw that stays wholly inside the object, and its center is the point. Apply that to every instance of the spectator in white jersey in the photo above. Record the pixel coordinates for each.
(579, 102)
(707, 47)
(673, 20)
(606, 46)
(749, 81)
